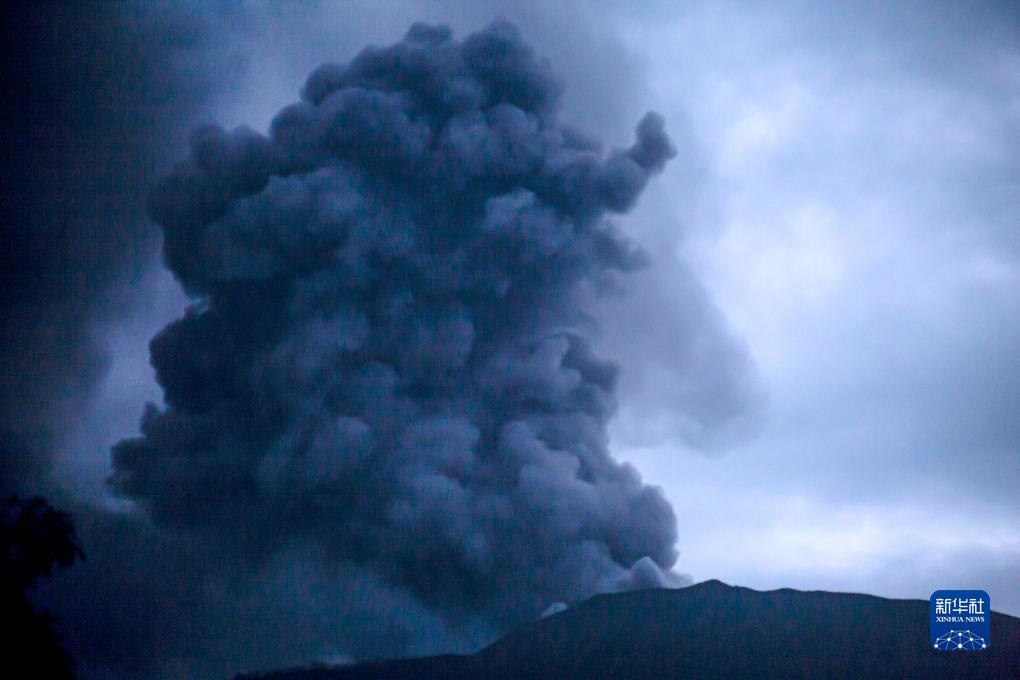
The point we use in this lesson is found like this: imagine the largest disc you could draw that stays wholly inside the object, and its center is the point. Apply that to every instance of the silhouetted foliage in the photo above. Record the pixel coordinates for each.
(34, 539)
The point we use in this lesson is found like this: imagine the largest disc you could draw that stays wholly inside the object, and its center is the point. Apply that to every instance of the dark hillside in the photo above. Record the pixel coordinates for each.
(712, 630)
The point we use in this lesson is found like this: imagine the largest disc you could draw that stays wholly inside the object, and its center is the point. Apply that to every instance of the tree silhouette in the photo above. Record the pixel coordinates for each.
(35, 538)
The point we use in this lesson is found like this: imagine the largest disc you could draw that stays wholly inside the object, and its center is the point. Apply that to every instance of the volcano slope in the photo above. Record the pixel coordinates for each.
(712, 630)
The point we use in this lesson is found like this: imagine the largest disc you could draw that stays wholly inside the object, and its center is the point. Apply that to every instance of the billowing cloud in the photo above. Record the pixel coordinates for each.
(389, 358)
(163, 591)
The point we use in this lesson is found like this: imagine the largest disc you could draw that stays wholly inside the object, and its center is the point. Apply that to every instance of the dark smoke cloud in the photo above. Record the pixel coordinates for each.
(389, 360)
(91, 96)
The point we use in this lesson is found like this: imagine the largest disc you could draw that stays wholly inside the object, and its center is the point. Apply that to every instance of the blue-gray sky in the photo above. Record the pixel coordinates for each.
(859, 232)
(821, 369)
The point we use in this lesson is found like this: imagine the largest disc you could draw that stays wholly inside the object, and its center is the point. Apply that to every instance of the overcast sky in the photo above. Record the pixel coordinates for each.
(860, 235)
(821, 367)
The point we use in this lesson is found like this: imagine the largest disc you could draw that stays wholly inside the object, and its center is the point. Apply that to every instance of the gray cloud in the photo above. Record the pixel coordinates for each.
(94, 97)
(389, 365)
(387, 356)
(163, 599)
(687, 380)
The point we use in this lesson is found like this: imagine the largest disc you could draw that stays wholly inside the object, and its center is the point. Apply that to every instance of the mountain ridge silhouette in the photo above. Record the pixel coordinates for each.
(711, 630)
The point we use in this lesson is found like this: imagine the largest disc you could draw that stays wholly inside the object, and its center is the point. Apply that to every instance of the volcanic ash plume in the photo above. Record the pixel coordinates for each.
(388, 358)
